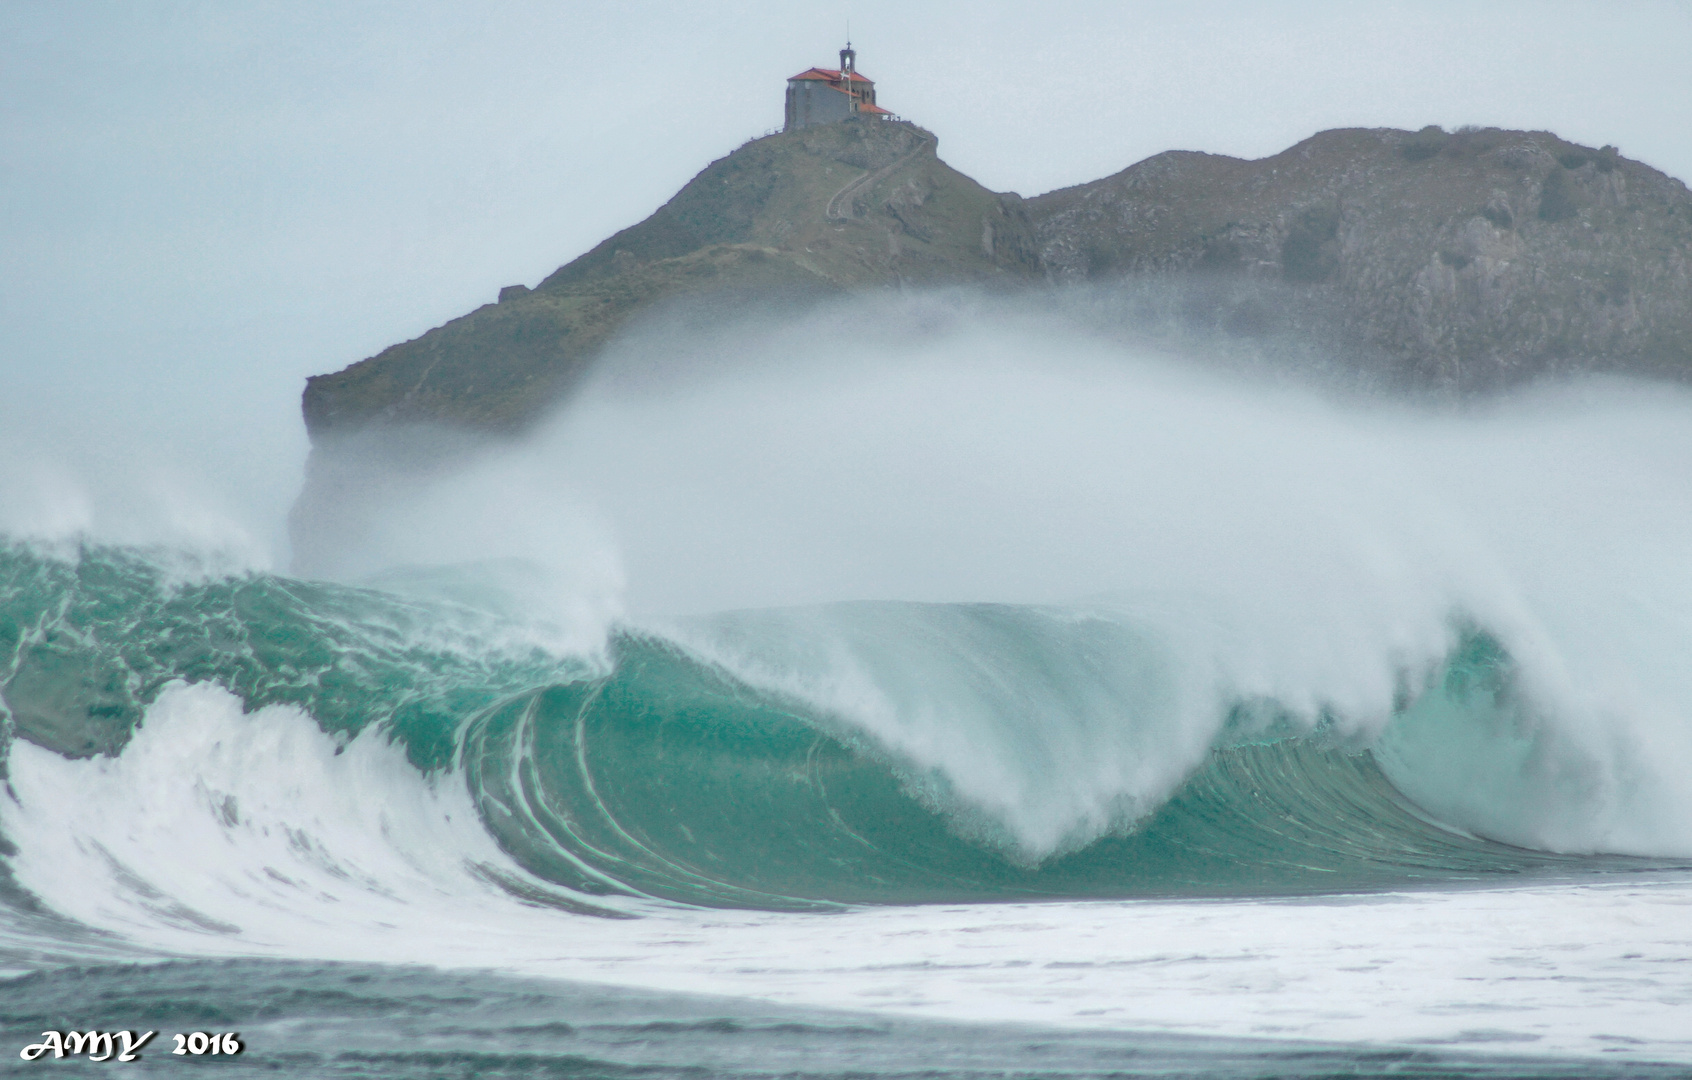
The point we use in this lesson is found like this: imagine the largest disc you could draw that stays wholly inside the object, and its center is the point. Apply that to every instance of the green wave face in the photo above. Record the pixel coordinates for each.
(670, 778)
(88, 641)
(653, 771)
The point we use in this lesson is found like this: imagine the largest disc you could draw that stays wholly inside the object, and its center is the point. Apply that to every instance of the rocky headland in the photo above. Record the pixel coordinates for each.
(1434, 263)
(1466, 261)
(1470, 261)
(818, 212)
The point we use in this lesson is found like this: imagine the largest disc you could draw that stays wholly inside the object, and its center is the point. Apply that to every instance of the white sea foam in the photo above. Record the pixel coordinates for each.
(218, 834)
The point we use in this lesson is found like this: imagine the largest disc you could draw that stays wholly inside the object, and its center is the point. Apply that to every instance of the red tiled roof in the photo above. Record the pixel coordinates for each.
(829, 75)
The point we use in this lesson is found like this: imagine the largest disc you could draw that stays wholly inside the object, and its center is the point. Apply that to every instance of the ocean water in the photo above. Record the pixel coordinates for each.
(953, 714)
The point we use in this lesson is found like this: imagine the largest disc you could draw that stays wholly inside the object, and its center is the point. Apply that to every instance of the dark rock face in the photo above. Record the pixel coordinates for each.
(1472, 261)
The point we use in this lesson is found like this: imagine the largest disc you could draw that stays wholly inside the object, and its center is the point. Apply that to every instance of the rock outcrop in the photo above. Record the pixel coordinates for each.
(825, 209)
(1472, 261)
(1457, 262)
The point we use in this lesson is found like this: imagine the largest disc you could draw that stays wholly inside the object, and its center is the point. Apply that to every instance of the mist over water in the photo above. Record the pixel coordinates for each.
(160, 469)
(1195, 538)
(1220, 538)
(1041, 574)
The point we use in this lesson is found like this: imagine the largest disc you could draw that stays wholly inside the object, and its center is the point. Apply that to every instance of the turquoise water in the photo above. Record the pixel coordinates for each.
(649, 770)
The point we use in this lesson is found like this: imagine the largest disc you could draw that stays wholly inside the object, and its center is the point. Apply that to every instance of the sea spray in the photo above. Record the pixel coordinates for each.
(988, 612)
(1267, 544)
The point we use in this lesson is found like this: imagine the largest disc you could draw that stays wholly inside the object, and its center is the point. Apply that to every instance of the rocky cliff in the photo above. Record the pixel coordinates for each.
(1459, 262)
(1472, 260)
(826, 209)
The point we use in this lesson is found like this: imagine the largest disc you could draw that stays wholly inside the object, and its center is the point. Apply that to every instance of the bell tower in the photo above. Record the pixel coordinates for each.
(848, 69)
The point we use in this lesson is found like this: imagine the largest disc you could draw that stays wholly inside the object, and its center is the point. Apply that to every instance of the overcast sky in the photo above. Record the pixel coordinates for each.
(205, 202)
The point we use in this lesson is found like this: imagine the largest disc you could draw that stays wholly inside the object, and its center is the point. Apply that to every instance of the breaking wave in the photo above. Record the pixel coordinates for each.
(239, 746)
(949, 625)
